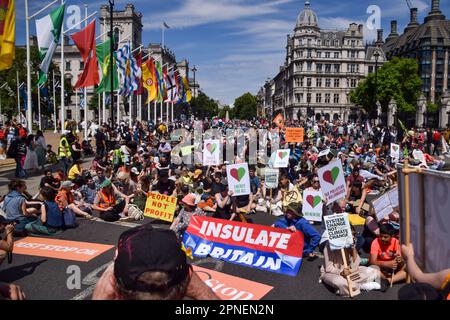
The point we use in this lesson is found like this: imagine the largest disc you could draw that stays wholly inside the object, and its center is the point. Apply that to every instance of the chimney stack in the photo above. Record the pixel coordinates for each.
(435, 6)
(379, 37)
(435, 13)
(412, 21)
(360, 28)
(394, 27)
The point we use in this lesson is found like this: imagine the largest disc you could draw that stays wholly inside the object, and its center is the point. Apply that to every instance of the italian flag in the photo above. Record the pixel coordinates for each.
(48, 34)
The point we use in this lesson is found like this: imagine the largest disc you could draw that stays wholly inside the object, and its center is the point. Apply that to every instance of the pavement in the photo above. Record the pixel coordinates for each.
(45, 278)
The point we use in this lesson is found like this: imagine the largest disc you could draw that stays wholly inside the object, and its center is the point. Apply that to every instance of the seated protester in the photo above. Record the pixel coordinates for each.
(124, 184)
(197, 178)
(372, 228)
(223, 200)
(141, 193)
(216, 183)
(334, 273)
(7, 244)
(440, 281)
(88, 192)
(255, 184)
(60, 176)
(386, 254)
(181, 222)
(163, 165)
(97, 164)
(99, 178)
(50, 221)
(355, 185)
(50, 156)
(76, 170)
(48, 181)
(243, 204)
(186, 178)
(294, 221)
(150, 265)
(207, 202)
(17, 207)
(164, 185)
(108, 206)
(65, 200)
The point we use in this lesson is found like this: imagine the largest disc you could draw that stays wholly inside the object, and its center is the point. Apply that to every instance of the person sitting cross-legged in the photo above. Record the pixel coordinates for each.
(108, 206)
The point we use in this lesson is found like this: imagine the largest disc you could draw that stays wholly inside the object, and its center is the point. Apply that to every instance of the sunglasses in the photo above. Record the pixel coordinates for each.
(316, 181)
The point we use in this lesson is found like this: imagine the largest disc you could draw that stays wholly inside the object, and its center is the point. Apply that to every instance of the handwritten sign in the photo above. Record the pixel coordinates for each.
(238, 179)
(271, 178)
(187, 150)
(312, 205)
(281, 158)
(294, 135)
(339, 231)
(161, 207)
(382, 206)
(395, 151)
(211, 153)
(332, 181)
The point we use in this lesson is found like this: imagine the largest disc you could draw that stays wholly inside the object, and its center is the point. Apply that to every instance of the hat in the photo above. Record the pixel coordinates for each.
(105, 183)
(122, 176)
(351, 154)
(189, 200)
(135, 171)
(197, 173)
(143, 249)
(67, 184)
(185, 188)
(294, 207)
(162, 140)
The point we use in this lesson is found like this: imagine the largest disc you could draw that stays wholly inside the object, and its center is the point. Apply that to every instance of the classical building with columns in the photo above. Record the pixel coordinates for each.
(429, 44)
(321, 68)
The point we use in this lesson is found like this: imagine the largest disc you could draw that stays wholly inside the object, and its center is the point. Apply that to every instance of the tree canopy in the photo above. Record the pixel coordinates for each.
(203, 106)
(244, 107)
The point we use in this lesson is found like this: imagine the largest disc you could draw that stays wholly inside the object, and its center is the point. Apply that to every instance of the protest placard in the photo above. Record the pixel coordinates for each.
(266, 248)
(271, 178)
(339, 231)
(395, 151)
(332, 181)
(382, 206)
(312, 205)
(211, 153)
(393, 197)
(238, 179)
(160, 206)
(281, 158)
(187, 150)
(294, 135)
(418, 155)
(279, 120)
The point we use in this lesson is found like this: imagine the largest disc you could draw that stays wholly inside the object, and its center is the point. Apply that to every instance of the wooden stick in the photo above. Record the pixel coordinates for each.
(270, 203)
(350, 283)
(406, 171)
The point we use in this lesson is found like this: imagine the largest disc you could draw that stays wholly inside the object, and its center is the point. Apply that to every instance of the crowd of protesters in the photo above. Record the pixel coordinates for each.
(129, 163)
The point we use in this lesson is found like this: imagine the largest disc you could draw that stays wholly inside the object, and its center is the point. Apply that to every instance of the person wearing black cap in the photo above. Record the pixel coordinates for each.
(150, 265)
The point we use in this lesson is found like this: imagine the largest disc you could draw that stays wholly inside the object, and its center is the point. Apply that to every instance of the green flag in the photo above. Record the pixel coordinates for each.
(48, 34)
(103, 51)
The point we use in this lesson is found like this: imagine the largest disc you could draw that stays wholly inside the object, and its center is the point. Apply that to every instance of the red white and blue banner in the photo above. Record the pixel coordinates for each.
(266, 248)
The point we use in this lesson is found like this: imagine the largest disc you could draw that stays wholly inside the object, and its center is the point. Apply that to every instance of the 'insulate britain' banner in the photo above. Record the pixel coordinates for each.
(257, 246)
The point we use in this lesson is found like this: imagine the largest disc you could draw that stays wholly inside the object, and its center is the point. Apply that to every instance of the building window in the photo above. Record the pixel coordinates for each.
(353, 33)
(353, 83)
(352, 68)
(353, 43)
(328, 68)
(318, 82)
(370, 69)
(319, 67)
(336, 83)
(297, 82)
(336, 55)
(328, 43)
(353, 54)
(309, 42)
(309, 66)
(116, 35)
(301, 82)
(309, 53)
(301, 53)
(336, 43)
(319, 54)
(336, 98)
(298, 97)
(327, 82)
(308, 98)
(68, 66)
(327, 97)
(337, 68)
(327, 54)
(318, 98)
(81, 65)
(319, 42)
(308, 82)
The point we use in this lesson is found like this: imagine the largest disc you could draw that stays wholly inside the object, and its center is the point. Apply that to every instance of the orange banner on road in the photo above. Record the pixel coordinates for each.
(60, 249)
(230, 287)
(294, 135)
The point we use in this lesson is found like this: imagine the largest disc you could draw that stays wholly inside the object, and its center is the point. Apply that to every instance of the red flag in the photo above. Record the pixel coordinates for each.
(138, 57)
(85, 42)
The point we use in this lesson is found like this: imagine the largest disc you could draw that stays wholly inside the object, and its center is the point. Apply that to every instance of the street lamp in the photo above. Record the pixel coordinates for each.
(111, 58)
(194, 70)
(377, 56)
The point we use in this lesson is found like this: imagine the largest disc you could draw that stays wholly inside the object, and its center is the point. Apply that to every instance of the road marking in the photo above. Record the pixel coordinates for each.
(91, 280)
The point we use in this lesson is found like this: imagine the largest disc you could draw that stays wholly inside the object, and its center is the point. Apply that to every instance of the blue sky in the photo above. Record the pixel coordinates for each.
(237, 44)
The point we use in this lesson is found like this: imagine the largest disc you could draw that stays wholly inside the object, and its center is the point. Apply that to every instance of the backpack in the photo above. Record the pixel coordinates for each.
(12, 150)
(68, 219)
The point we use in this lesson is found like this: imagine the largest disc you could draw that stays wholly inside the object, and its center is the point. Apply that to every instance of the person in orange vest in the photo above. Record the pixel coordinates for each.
(108, 206)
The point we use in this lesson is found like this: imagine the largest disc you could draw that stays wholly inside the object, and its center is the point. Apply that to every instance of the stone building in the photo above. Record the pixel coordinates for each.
(320, 69)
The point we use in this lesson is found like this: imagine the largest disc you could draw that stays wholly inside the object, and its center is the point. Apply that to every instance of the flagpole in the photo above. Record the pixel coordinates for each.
(18, 94)
(130, 122)
(76, 109)
(167, 112)
(39, 106)
(118, 108)
(85, 89)
(172, 110)
(63, 71)
(104, 108)
(54, 103)
(99, 108)
(162, 112)
(156, 111)
(148, 115)
(29, 109)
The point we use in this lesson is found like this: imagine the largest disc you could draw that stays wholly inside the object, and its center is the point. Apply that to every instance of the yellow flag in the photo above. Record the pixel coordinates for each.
(187, 90)
(7, 34)
(149, 80)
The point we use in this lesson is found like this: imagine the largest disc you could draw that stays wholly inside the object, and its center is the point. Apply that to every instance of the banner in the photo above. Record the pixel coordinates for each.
(282, 158)
(294, 135)
(266, 248)
(238, 179)
(271, 178)
(339, 231)
(159, 206)
(312, 205)
(332, 181)
(211, 153)
(395, 151)
(229, 287)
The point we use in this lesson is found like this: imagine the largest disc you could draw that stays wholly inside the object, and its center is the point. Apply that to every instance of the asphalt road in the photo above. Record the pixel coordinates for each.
(48, 278)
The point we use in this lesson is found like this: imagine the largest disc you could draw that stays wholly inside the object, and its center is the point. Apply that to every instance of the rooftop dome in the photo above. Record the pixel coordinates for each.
(307, 17)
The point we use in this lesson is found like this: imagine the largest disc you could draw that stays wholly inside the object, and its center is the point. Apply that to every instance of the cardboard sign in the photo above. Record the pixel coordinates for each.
(282, 158)
(211, 153)
(339, 231)
(294, 135)
(160, 206)
(238, 179)
(323, 153)
(229, 287)
(60, 249)
(312, 205)
(393, 197)
(271, 178)
(279, 120)
(395, 151)
(187, 150)
(251, 245)
(332, 181)
(418, 155)
(382, 206)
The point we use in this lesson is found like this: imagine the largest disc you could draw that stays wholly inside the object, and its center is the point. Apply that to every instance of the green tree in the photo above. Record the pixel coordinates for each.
(203, 106)
(245, 107)
(224, 110)
(397, 79)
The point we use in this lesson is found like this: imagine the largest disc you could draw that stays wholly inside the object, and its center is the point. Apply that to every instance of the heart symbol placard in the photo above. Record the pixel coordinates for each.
(211, 147)
(281, 154)
(313, 201)
(395, 148)
(330, 176)
(237, 174)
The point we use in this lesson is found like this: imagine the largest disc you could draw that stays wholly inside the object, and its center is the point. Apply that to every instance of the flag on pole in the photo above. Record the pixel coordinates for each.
(149, 80)
(138, 58)
(135, 75)
(7, 34)
(173, 87)
(166, 25)
(85, 42)
(48, 31)
(187, 95)
(160, 79)
(103, 51)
